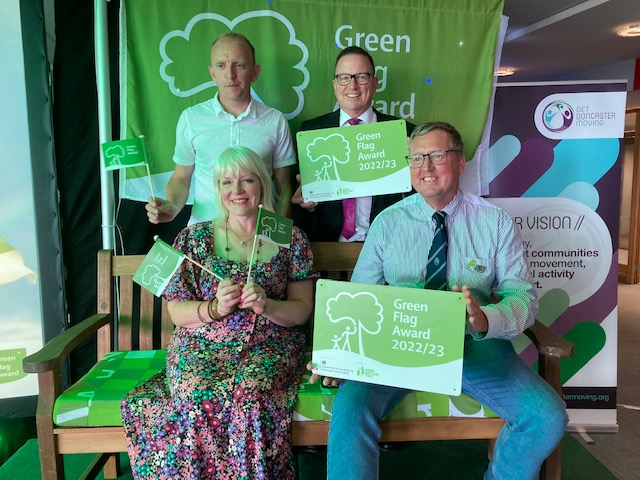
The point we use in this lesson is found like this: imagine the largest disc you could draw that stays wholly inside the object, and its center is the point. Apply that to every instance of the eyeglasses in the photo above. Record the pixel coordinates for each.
(437, 157)
(344, 79)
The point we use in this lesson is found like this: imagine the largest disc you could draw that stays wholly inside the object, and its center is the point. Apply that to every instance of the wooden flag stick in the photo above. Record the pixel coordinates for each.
(253, 251)
(146, 164)
(156, 237)
(153, 195)
(253, 248)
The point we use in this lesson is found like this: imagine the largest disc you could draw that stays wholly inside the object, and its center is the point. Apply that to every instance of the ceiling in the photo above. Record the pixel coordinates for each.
(559, 39)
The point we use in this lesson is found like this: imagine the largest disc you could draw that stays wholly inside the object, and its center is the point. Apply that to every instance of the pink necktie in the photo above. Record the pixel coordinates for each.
(348, 218)
(349, 205)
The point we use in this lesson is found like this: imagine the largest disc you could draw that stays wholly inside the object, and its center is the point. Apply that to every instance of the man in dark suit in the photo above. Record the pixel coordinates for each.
(354, 84)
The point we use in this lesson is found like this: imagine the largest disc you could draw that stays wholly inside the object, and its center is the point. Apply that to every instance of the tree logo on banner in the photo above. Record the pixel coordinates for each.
(354, 314)
(175, 43)
(339, 150)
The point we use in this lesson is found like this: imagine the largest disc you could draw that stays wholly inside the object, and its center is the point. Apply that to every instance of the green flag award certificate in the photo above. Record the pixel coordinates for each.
(401, 337)
(359, 161)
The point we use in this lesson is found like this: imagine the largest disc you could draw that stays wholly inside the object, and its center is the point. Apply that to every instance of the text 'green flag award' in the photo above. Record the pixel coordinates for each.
(402, 337)
(358, 161)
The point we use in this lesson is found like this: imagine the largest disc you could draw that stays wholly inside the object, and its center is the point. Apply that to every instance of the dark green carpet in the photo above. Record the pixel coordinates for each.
(449, 460)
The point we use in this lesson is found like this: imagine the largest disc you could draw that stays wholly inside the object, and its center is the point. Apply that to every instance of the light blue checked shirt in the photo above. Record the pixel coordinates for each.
(485, 253)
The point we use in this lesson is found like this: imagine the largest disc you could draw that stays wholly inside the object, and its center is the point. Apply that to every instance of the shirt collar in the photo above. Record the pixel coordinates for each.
(451, 209)
(220, 111)
(367, 117)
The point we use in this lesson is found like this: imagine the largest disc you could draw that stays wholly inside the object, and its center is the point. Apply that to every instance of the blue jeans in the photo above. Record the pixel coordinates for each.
(494, 375)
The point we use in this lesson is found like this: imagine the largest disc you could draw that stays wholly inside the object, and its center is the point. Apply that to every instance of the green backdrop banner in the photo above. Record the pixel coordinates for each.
(434, 60)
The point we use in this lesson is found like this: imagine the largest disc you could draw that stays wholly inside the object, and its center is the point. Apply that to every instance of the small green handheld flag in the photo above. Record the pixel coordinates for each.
(274, 228)
(126, 153)
(158, 267)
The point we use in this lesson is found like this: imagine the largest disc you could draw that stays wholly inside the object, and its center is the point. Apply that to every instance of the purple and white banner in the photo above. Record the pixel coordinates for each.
(555, 165)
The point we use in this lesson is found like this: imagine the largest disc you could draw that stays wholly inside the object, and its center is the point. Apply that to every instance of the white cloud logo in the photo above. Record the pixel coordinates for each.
(231, 24)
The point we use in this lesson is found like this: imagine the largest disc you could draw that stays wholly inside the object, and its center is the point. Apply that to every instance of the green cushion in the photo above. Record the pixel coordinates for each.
(95, 399)
(315, 403)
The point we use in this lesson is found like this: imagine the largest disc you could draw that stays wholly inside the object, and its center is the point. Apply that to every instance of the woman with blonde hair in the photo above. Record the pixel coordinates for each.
(223, 406)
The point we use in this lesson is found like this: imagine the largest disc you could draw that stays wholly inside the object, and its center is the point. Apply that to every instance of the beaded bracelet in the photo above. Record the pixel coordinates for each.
(202, 320)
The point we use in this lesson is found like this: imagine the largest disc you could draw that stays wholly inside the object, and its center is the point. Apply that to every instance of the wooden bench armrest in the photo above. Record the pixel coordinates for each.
(548, 343)
(51, 356)
(551, 349)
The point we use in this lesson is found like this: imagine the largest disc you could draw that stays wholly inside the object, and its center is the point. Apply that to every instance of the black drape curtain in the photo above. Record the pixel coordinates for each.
(138, 233)
(75, 120)
(75, 126)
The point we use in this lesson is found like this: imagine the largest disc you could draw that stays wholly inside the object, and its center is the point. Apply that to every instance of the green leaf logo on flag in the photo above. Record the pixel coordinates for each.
(274, 228)
(126, 153)
(158, 267)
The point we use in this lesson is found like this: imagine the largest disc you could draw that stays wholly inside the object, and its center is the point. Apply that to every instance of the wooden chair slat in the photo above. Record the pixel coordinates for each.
(126, 313)
(104, 291)
(147, 304)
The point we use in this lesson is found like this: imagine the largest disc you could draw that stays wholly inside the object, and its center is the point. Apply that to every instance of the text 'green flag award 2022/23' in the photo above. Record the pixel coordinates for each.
(359, 161)
(402, 337)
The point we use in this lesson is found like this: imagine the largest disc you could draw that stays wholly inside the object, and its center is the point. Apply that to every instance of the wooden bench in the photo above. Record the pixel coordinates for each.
(144, 324)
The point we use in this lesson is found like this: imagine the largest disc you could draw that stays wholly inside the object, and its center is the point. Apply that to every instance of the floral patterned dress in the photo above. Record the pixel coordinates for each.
(222, 408)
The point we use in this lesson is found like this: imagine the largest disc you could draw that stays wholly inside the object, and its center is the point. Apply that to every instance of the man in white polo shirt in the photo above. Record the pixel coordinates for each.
(231, 118)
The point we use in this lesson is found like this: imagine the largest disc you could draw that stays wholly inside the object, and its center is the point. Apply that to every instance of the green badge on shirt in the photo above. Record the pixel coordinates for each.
(475, 267)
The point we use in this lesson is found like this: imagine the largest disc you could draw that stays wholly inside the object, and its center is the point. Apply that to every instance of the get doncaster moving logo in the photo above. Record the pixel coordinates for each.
(557, 116)
(230, 25)
(581, 115)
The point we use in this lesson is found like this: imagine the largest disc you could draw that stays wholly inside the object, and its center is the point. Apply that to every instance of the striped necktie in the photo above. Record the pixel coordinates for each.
(437, 263)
